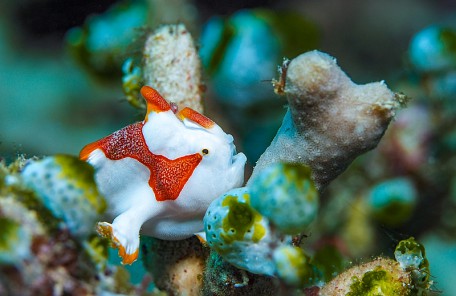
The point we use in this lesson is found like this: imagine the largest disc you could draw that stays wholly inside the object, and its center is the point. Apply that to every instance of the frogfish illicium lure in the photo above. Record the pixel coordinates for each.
(160, 175)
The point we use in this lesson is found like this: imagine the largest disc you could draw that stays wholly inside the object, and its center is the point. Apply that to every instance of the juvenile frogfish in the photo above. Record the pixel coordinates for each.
(160, 175)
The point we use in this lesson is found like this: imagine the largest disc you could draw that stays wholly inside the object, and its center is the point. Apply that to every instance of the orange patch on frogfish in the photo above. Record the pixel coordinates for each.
(195, 117)
(167, 176)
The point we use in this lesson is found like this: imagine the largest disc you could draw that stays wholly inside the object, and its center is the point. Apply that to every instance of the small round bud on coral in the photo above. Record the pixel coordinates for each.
(392, 202)
(98, 44)
(65, 185)
(286, 195)
(411, 256)
(293, 266)
(239, 233)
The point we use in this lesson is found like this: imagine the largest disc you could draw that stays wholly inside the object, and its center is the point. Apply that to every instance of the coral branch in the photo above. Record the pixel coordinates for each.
(173, 67)
(330, 120)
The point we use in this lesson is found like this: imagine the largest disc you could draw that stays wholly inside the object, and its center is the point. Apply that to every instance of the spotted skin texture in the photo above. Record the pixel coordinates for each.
(159, 175)
(167, 177)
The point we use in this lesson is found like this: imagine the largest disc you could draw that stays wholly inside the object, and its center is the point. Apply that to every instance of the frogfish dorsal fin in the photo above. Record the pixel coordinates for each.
(155, 102)
(190, 114)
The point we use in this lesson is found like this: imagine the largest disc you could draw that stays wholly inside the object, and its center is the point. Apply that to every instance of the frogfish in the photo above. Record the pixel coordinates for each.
(160, 175)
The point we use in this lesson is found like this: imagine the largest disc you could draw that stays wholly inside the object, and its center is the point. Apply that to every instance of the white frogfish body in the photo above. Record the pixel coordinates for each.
(160, 175)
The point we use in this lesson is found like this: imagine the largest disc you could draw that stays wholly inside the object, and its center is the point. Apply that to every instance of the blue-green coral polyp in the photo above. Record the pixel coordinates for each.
(286, 194)
(66, 187)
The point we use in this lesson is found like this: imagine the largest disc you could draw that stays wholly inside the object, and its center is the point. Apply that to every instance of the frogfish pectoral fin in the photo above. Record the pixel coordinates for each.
(105, 229)
(88, 149)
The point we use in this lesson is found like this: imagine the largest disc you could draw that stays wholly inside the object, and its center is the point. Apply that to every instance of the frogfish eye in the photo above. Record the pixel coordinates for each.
(205, 151)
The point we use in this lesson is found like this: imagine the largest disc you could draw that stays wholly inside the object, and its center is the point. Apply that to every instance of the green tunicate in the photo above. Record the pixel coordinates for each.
(377, 282)
(81, 175)
(239, 233)
(65, 186)
(240, 219)
(293, 266)
(29, 199)
(286, 194)
(411, 255)
(393, 201)
(432, 50)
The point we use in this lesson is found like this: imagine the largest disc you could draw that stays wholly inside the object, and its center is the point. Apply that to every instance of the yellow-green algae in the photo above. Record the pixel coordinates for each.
(374, 283)
(382, 276)
(97, 249)
(240, 220)
(9, 233)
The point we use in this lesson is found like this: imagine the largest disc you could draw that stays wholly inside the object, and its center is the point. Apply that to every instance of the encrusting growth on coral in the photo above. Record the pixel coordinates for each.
(330, 120)
(173, 67)
(379, 277)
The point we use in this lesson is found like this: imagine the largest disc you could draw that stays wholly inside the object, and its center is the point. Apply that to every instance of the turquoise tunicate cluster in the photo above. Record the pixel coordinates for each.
(392, 201)
(242, 50)
(104, 39)
(239, 233)
(66, 187)
(239, 53)
(286, 195)
(250, 226)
